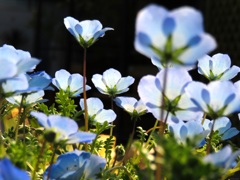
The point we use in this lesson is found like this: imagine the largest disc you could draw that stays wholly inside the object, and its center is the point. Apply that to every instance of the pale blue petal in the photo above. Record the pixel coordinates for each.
(193, 53)
(75, 82)
(207, 124)
(105, 115)
(230, 73)
(149, 92)
(177, 78)
(61, 79)
(111, 77)
(27, 65)
(149, 23)
(34, 97)
(97, 80)
(89, 28)
(124, 83)
(219, 158)
(189, 23)
(194, 128)
(230, 133)
(156, 62)
(70, 24)
(9, 172)
(63, 125)
(220, 63)
(231, 159)
(94, 166)
(127, 103)
(101, 33)
(41, 118)
(222, 124)
(194, 91)
(81, 137)
(18, 83)
(203, 65)
(7, 70)
(94, 105)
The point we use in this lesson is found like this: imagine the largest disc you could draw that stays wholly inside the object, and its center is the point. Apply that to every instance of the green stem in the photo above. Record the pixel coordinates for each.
(111, 129)
(38, 159)
(152, 130)
(85, 93)
(204, 118)
(210, 139)
(20, 117)
(161, 130)
(51, 162)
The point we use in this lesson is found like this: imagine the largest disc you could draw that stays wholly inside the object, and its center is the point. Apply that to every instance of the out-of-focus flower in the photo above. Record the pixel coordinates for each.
(223, 127)
(217, 67)
(176, 102)
(30, 99)
(96, 112)
(190, 130)
(217, 99)
(76, 165)
(86, 32)
(15, 62)
(70, 83)
(174, 37)
(224, 158)
(62, 129)
(9, 171)
(112, 82)
(134, 107)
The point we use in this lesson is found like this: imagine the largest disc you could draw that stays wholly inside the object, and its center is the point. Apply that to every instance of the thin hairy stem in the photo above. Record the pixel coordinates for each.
(84, 88)
(204, 118)
(210, 139)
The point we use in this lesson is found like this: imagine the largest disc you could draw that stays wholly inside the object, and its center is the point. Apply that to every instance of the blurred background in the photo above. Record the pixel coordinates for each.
(37, 26)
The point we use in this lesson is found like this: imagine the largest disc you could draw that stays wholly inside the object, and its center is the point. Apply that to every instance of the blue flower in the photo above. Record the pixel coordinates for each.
(8, 171)
(86, 32)
(31, 99)
(70, 83)
(223, 127)
(15, 62)
(96, 112)
(190, 130)
(217, 67)
(64, 128)
(217, 99)
(224, 158)
(76, 165)
(134, 107)
(176, 102)
(174, 37)
(112, 82)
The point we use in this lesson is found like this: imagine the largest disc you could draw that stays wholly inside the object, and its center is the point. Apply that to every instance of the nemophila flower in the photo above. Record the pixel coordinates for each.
(112, 82)
(192, 130)
(217, 67)
(224, 158)
(96, 113)
(222, 126)
(217, 99)
(8, 171)
(70, 83)
(174, 37)
(86, 32)
(134, 107)
(76, 165)
(14, 62)
(176, 102)
(62, 129)
(30, 99)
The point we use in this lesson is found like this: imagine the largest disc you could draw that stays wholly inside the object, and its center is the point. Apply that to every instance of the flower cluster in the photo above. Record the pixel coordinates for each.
(65, 139)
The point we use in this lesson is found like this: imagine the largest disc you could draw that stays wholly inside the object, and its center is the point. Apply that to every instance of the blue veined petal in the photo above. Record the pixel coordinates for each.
(94, 105)
(81, 137)
(124, 83)
(194, 41)
(89, 28)
(230, 73)
(222, 124)
(203, 65)
(127, 103)
(205, 96)
(183, 132)
(94, 166)
(230, 133)
(101, 33)
(9, 172)
(220, 63)
(168, 26)
(70, 24)
(41, 118)
(99, 84)
(61, 79)
(105, 115)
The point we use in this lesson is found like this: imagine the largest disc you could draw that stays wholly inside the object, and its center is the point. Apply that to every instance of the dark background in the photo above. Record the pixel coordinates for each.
(37, 26)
